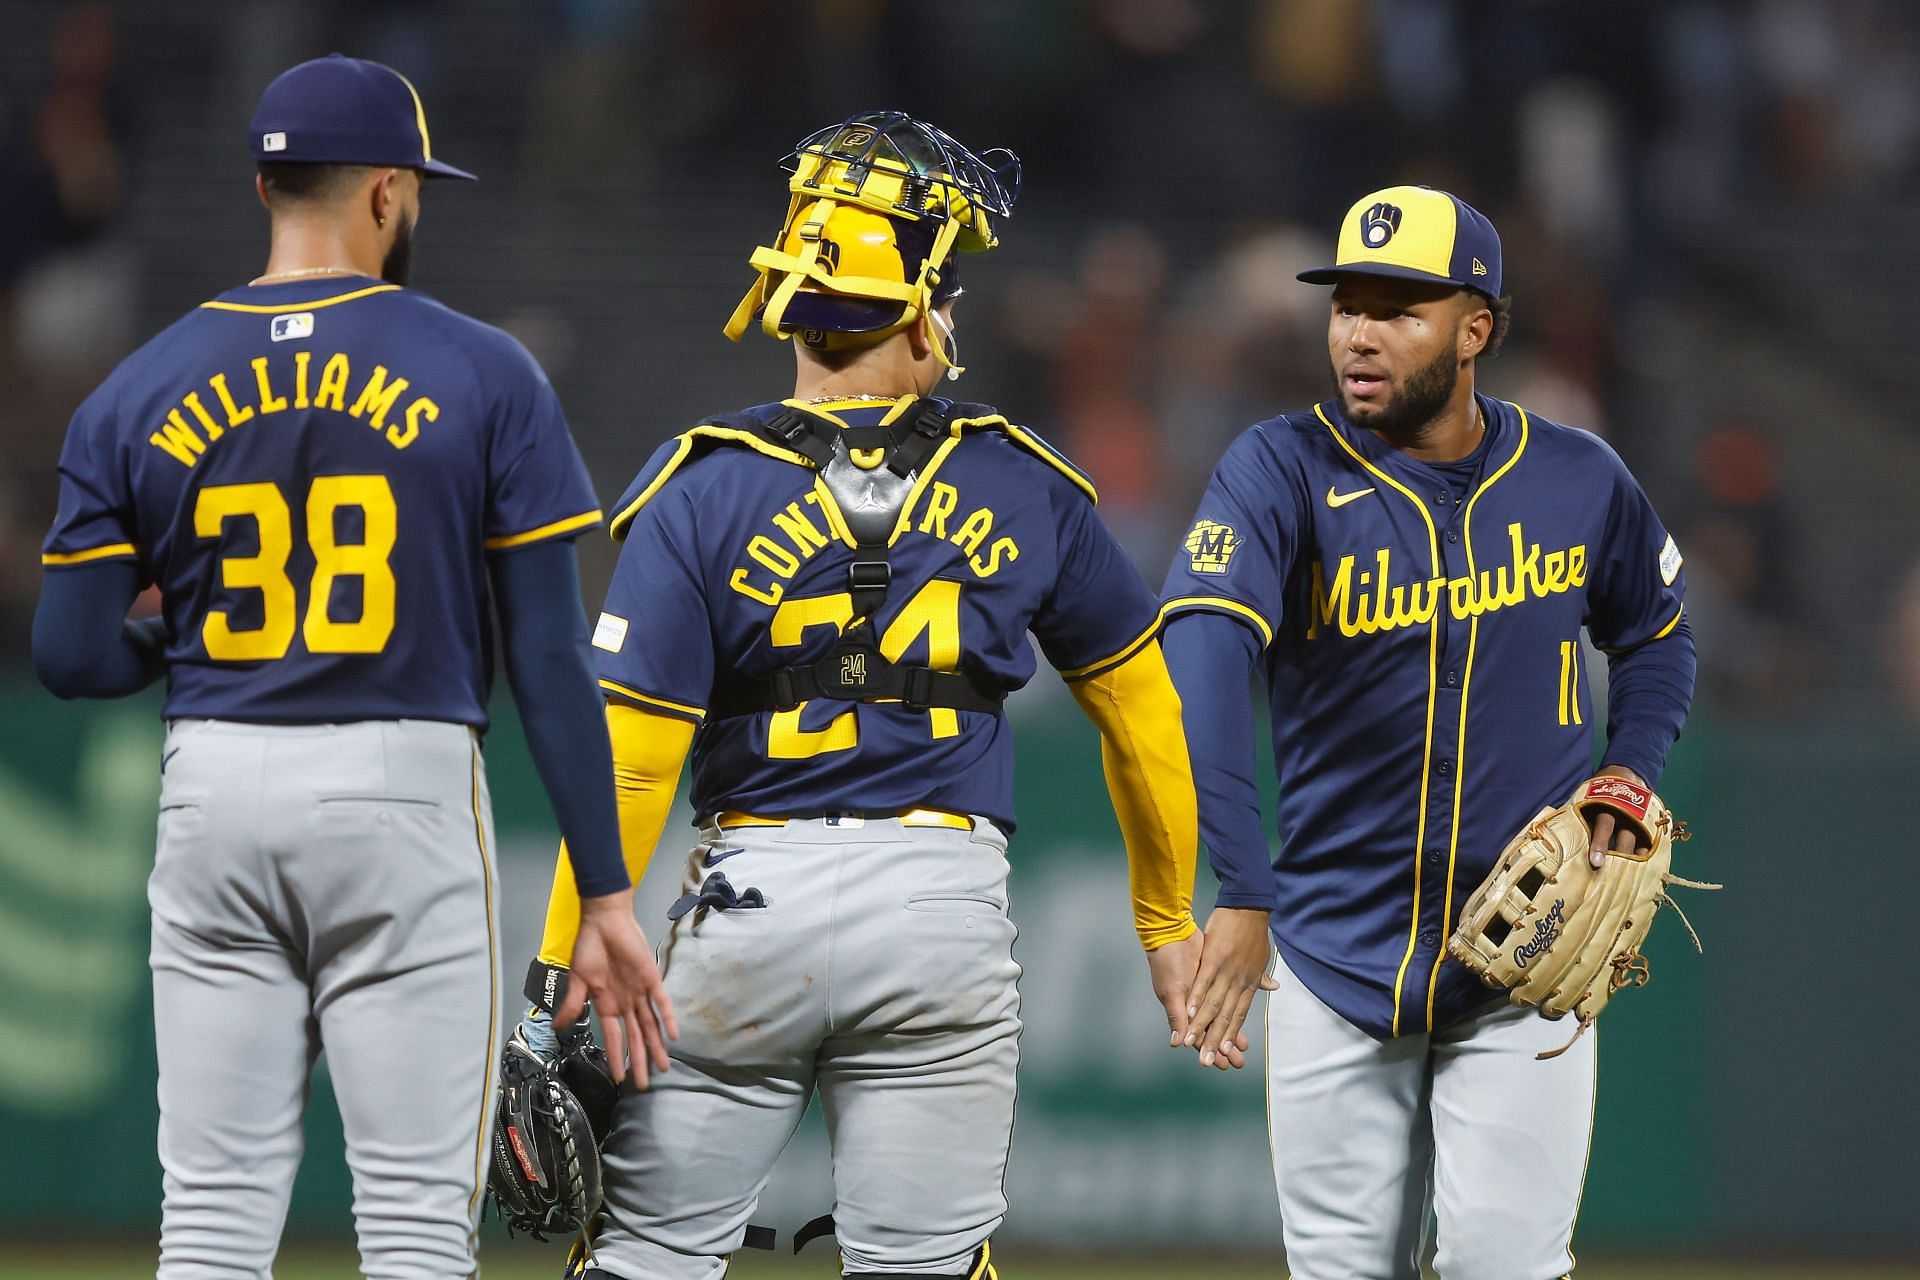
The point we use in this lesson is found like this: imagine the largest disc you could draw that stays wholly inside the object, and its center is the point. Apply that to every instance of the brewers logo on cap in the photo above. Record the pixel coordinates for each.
(1379, 225)
(1416, 233)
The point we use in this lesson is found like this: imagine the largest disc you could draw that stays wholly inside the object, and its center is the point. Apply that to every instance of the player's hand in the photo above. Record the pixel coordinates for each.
(1172, 967)
(613, 966)
(537, 1029)
(1604, 824)
(1233, 965)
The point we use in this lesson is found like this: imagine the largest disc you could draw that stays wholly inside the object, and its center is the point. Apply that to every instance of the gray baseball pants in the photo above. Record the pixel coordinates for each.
(879, 973)
(1367, 1136)
(323, 888)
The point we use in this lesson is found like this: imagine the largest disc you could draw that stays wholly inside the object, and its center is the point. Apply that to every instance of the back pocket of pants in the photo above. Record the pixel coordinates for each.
(373, 798)
(952, 902)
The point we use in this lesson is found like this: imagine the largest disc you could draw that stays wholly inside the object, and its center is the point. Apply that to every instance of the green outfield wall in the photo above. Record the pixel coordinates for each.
(1753, 1097)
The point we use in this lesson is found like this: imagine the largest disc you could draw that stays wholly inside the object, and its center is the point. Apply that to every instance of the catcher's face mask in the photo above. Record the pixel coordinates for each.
(880, 203)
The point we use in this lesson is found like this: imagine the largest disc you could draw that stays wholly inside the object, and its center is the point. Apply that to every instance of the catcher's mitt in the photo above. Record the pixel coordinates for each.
(553, 1115)
(1557, 933)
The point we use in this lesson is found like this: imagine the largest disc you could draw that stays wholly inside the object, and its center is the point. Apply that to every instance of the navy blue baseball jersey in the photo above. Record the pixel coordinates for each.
(734, 564)
(314, 473)
(1422, 647)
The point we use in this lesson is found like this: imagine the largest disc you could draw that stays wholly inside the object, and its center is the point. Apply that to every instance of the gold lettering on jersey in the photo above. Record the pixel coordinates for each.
(974, 531)
(235, 413)
(1363, 604)
(794, 539)
(180, 441)
(192, 424)
(207, 424)
(1003, 548)
(774, 556)
(333, 384)
(378, 397)
(269, 402)
(942, 498)
(421, 410)
(770, 597)
(799, 529)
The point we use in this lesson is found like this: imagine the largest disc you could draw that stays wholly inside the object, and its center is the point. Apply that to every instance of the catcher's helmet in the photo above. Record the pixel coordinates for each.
(880, 203)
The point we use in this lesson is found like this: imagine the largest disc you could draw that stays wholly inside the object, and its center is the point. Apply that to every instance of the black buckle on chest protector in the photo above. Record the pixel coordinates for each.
(855, 671)
(804, 433)
(867, 582)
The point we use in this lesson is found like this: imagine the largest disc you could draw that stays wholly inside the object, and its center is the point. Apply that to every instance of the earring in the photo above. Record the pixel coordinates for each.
(380, 220)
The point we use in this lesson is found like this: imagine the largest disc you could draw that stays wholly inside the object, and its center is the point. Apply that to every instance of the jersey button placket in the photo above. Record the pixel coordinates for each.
(1448, 708)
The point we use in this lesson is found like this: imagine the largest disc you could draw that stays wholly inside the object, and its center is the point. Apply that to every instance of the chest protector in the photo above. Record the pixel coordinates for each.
(870, 499)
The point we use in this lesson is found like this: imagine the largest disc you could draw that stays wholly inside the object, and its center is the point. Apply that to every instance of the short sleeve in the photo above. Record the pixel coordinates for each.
(1236, 556)
(537, 484)
(1638, 590)
(95, 520)
(653, 643)
(1100, 611)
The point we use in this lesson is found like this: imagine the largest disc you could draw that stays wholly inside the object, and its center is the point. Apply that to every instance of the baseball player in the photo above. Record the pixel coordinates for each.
(827, 599)
(332, 480)
(1408, 566)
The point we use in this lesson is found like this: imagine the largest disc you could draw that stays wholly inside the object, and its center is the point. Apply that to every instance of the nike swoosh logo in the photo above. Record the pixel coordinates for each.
(1338, 500)
(170, 755)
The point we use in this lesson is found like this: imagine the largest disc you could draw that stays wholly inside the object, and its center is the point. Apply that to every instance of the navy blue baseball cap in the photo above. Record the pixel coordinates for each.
(1416, 233)
(341, 110)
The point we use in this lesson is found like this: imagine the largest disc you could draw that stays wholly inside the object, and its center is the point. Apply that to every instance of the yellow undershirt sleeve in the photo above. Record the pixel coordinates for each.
(1143, 746)
(648, 751)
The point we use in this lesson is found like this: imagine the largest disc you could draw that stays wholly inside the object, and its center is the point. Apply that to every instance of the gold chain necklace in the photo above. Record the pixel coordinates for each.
(839, 399)
(302, 272)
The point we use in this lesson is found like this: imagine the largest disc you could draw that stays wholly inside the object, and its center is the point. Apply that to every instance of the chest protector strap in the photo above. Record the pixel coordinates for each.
(870, 500)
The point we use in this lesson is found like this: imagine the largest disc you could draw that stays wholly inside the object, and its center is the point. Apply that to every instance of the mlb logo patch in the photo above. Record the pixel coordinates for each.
(273, 142)
(287, 328)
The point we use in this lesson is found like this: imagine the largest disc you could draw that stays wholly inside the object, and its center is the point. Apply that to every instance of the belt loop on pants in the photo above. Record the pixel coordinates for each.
(906, 818)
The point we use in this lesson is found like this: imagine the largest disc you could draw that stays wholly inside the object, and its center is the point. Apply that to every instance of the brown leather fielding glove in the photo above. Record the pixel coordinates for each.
(1558, 934)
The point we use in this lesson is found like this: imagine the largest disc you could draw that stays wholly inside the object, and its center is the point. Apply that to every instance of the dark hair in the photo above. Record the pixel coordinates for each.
(1502, 309)
(290, 180)
(837, 359)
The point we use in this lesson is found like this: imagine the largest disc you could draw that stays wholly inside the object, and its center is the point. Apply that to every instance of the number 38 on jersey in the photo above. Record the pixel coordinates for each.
(348, 524)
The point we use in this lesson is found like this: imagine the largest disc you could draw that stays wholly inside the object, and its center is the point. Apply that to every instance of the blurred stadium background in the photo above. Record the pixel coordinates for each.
(1709, 210)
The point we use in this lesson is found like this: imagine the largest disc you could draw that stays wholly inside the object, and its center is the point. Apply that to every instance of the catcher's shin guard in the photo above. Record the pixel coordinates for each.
(980, 1268)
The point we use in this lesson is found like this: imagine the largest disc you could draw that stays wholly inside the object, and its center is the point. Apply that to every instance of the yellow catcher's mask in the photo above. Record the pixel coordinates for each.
(880, 203)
